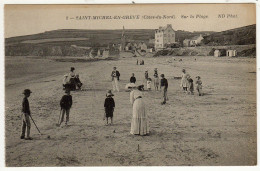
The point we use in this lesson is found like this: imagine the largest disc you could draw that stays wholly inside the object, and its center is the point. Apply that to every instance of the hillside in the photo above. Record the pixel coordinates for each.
(239, 36)
(101, 37)
(58, 42)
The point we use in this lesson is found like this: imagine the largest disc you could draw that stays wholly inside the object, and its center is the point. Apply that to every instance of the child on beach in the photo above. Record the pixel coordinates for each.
(146, 75)
(66, 84)
(65, 104)
(109, 106)
(78, 82)
(164, 87)
(26, 115)
(156, 79)
(191, 87)
(149, 82)
(199, 85)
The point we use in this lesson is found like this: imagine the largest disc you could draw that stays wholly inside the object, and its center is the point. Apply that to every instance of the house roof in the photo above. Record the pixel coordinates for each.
(164, 28)
(195, 37)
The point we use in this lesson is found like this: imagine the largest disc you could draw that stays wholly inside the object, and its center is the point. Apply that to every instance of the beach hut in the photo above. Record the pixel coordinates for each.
(231, 53)
(217, 53)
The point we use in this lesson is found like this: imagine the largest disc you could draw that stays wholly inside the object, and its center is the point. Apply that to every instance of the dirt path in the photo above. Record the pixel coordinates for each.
(216, 129)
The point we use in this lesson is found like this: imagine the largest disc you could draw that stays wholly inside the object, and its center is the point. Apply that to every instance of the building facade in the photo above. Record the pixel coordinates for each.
(163, 36)
(193, 41)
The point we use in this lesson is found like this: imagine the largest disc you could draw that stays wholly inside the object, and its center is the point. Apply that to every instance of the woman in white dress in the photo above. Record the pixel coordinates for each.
(184, 80)
(139, 124)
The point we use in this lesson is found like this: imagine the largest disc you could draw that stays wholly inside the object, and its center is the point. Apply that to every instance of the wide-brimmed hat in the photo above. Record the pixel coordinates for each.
(66, 75)
(109, 93)
(27, 91)
(131, 85)
(140, 87)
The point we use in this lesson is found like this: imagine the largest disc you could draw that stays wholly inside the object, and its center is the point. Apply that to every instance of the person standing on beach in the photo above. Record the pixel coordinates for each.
(133, 79)
(146, 76)
(164, 88)
(139, 123)
(184, 80)
(156, 79)
(191, 87)
(199, 85)
(66, 84)
(149, 82)
(71, 78)
(109, 106)
(115, 78)
(26, 115)
(65, 104)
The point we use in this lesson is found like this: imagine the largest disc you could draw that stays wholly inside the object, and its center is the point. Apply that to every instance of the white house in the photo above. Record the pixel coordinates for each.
(193, 41)
(164, 35)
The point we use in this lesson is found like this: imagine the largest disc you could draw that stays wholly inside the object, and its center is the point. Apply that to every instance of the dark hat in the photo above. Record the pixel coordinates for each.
(72, 68)
(140, 87)
(114, 67)
(198, 77)
(162, 75)
(183, 70)
(109, 93)
(27, 91)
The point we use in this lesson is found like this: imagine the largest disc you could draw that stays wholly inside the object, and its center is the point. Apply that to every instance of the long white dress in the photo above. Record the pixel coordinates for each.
(184, 80)
(139, 124)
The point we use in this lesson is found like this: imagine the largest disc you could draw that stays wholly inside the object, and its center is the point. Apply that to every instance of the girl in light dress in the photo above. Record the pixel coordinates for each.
(149, 84)
(184, 80)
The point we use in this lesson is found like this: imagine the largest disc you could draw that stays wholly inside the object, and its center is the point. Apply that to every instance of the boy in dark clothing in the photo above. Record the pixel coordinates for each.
(164, 87)
(26, 115)
(133, 79)
(191, 87)
(78, 82)
(146, 76)
(109, 106)
(65, 104)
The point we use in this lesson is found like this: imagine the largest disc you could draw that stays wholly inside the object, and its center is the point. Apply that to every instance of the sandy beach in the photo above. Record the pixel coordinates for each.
(218, 128)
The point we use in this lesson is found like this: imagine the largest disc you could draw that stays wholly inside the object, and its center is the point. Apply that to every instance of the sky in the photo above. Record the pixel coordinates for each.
(31, 19)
